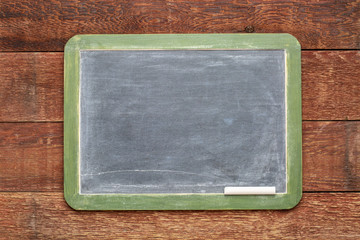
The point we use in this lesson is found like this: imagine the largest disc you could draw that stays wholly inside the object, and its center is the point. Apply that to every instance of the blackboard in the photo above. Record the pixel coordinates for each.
(183, 122)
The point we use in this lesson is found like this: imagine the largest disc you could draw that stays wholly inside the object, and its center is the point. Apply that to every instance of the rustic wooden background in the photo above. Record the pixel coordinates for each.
(32, 38)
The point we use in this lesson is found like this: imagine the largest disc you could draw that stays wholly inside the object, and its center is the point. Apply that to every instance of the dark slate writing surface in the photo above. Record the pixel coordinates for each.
(181, 121)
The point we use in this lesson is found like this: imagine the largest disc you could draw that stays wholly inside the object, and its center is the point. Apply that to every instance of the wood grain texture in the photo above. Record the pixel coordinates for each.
(31, 156)
(46, 216)
(31, 90)
(31, 86)
(330, 85)
(331, 153)
(46, 25)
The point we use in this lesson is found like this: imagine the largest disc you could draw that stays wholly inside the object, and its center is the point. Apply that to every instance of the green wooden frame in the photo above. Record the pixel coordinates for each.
(182, 201)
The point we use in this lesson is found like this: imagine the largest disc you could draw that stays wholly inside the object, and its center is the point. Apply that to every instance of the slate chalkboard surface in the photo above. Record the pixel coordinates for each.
(181, 121)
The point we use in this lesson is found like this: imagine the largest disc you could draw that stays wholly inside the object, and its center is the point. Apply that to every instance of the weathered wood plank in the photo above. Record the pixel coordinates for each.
(31, 86)
(331, 152)
(31, 156)
(330, 85)
(46, 216)
(46, 25)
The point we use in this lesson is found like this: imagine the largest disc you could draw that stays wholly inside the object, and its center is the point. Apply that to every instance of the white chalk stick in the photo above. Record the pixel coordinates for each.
(249, 190)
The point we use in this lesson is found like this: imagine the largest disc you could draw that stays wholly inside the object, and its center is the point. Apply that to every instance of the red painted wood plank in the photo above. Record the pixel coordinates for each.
(31, 86)
(31, 156)
(47, 216)
(46, 25)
